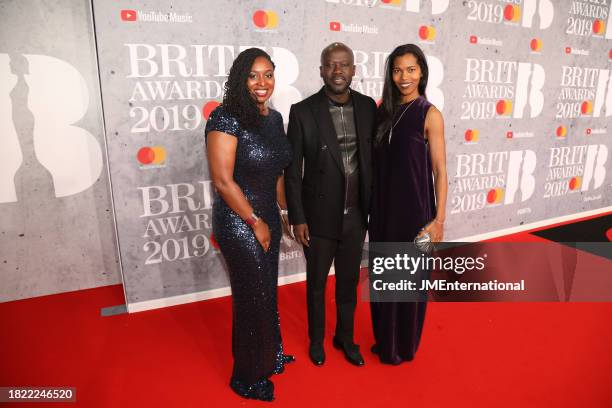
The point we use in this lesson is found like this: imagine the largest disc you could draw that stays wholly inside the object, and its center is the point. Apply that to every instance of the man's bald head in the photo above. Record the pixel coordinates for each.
(337, 46)
(337, 70)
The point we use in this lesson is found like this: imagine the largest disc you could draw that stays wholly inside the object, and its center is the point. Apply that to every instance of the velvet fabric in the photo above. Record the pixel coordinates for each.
(403, 202)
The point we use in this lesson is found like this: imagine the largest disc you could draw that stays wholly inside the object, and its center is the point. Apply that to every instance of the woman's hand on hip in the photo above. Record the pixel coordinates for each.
(262, 233)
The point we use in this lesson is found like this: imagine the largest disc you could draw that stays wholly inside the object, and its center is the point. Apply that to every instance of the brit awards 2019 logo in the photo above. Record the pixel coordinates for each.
(584, 93)
(502, 89)
(589, 19)
(175, 84)
(512, 12)
(177, 221)
(576, 168)
(494, 178)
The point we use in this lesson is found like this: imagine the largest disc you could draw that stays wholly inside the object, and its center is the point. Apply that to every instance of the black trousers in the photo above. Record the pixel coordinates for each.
(346, 257)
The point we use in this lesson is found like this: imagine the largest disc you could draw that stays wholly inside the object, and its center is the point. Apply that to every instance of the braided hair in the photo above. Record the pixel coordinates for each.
(237, 100)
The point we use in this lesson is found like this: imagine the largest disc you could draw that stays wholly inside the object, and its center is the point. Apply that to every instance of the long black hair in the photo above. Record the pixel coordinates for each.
(391, 95)
(237, 100)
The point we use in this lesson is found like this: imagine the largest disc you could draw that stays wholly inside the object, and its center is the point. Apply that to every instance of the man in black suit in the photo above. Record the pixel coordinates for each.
(328, 187)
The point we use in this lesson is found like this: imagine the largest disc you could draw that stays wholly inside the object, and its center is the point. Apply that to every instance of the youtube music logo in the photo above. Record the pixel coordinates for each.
(352, 28)
(155, 16)
(129, 15)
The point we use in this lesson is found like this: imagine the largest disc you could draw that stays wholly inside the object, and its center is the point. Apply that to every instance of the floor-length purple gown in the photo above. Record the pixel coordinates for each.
(403, 203)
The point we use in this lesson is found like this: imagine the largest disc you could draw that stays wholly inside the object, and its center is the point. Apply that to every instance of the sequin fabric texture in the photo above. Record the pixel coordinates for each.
(260, 158)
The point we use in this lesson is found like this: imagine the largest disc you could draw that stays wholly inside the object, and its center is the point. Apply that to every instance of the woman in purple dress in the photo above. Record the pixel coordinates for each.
(410, 186)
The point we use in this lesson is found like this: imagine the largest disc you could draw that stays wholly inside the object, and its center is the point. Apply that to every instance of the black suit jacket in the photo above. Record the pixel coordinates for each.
(314, 182)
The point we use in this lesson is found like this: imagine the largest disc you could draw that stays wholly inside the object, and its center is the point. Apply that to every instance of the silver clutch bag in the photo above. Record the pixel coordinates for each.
(423, 243)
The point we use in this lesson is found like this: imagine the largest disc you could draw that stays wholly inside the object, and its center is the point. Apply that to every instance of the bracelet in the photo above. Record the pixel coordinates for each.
(441, 223)
(282, 211)
(252, 220)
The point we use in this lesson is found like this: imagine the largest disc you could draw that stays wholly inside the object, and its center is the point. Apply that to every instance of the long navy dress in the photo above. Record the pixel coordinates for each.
(260, 158)
(402, 203)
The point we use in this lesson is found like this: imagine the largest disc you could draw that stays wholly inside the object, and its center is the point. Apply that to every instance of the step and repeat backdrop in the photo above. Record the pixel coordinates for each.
(56, 226)
(524, 87)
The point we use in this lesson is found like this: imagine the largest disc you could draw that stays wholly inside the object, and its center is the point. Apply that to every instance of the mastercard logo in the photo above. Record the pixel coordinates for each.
(208, 108)
(392, 2)
(536, 45)
(495, 195)
(471, 135)
(586, 108)
(504, 107)
(214, 242)
(588, 131)
(427, 33)
(509, 134)
(575, 183)
(512, 13)
(568, 50)
(561, 131)
(598, 27)
(151, 155)
(265, 19)
(473, 39)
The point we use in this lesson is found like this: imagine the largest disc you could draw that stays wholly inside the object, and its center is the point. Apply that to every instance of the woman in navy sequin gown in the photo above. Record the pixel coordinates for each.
(247, 151)
(408, 150)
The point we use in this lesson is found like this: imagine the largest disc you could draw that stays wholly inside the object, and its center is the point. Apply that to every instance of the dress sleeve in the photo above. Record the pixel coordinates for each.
(222, 121)
(280, 124)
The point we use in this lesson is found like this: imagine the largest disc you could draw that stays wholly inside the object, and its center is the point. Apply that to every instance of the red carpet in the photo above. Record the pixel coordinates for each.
(472, 355)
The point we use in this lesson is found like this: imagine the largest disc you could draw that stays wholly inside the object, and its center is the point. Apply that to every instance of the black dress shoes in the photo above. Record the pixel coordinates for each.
(316, 353)
(351, 352)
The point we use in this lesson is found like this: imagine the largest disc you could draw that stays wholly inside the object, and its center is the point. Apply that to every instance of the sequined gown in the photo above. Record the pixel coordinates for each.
(403, 201)
(260, 159)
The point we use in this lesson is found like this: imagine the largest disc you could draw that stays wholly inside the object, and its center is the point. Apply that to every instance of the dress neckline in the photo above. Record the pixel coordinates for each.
(410, 101)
